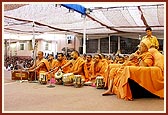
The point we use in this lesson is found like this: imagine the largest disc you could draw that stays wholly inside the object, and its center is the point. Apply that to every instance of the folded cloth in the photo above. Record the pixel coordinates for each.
(53, 80)
(93, 85)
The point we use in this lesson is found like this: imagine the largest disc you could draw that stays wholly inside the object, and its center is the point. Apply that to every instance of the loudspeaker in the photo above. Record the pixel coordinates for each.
(69, 41)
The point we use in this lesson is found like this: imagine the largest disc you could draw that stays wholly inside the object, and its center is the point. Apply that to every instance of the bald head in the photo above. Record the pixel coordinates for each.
(75, 54)
(40, 54)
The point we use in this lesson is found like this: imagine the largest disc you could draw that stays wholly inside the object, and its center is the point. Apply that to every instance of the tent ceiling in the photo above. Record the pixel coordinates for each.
(128, 21)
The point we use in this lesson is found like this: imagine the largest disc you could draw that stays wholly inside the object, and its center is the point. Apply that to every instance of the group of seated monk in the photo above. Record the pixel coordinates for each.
(91, 67)
(98, 65)
(88, 68)
(115, 78)
(146, 56)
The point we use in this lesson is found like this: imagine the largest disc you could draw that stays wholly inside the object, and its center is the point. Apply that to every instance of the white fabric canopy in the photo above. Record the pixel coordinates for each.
(124, 20)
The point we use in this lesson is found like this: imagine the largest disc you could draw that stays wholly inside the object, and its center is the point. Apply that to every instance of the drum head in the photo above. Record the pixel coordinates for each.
(78, 75)
(99, 77)
(58, 75)
(68, 74)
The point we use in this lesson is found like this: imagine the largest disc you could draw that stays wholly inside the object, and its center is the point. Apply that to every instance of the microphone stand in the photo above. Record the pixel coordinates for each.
(50, 86)
(21, 81)
(34, 55)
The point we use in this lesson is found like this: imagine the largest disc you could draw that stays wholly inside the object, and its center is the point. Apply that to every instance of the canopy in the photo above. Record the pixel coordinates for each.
(124, 20)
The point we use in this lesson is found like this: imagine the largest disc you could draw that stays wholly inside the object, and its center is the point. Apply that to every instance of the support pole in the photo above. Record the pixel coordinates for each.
(109, 44)
(118, 43)
(84, 36)
(34, 53)
(98, 51)
(9, 45)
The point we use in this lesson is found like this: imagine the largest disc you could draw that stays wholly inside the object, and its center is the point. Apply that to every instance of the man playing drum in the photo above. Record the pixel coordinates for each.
(61, 60)
(77, 65)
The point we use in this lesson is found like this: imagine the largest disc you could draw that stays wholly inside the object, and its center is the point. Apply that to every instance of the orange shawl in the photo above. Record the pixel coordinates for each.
(60, 64)
(120, 77)
(99, 69)
(45, 67)
(87, 69)
(76, 64)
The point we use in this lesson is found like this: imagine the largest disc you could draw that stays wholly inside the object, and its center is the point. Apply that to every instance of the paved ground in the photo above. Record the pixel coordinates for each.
(33, 97)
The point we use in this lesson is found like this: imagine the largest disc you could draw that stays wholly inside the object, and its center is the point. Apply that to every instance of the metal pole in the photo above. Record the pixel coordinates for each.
(84, 36)
(66, 48)
(21, 76)
(98, 51)
(34, 54)
(118, 42)
(9, 44)
(109, 44)
(6, 49)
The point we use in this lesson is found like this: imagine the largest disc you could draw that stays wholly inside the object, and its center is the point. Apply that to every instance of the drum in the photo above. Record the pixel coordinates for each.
(68, 79)
(99, 82)
(19, 75)
(42, 77)
(77, 81)
(58, 77)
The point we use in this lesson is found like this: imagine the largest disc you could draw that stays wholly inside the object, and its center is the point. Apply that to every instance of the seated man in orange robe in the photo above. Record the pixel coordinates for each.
(87, 67)
(52, 63)
(77, 63)
(104, 60)
(142, 58)
(158, 58)
(61, 60)
(98, 68)
(41, 65)
(105, 64)
(55, 70)
(109, 59)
